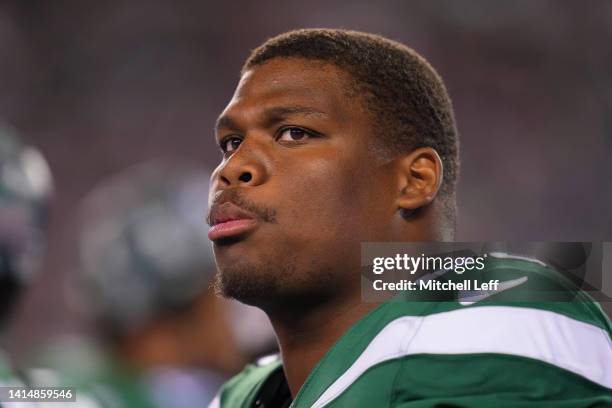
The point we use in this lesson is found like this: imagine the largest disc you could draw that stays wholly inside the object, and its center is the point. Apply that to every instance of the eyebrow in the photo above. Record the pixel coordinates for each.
(270, 116)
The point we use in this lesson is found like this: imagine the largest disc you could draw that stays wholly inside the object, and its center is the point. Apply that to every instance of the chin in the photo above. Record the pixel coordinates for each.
(246, 282)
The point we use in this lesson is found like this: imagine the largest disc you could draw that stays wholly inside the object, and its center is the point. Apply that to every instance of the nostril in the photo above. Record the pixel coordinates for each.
(245, 177)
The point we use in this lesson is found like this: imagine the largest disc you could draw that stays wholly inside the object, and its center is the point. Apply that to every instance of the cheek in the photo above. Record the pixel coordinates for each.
(323, 199)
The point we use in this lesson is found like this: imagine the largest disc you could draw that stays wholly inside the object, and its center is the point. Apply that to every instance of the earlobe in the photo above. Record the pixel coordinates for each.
(420, 175)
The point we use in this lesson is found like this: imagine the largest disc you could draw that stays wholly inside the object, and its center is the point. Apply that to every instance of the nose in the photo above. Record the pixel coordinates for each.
(244, 168)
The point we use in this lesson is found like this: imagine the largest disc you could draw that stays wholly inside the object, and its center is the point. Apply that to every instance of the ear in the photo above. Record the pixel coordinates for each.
(420, 177)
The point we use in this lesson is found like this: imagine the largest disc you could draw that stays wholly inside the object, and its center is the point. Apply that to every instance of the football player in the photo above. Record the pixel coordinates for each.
(333, 138)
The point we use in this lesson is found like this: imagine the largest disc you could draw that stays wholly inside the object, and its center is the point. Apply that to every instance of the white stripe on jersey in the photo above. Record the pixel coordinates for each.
(216, 402)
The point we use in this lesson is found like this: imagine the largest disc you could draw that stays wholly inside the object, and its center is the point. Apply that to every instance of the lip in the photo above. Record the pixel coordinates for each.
(229, 221)
(231, 228)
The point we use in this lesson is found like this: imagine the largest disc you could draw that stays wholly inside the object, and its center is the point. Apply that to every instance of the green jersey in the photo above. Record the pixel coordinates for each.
(470, 352)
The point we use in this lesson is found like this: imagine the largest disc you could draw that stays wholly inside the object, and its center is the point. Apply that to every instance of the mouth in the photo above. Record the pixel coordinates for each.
(228, 221)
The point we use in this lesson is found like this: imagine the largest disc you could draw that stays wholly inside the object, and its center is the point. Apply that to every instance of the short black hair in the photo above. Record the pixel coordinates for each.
(407, 98)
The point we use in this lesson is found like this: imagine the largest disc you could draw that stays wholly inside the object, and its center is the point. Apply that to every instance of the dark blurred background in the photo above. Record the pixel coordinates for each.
(98, 86)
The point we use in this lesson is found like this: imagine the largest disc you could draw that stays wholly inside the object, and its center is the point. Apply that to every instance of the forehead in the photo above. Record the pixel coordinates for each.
(292, 82)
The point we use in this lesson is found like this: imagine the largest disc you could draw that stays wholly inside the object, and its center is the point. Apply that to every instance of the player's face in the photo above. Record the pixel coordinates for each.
(298, 188)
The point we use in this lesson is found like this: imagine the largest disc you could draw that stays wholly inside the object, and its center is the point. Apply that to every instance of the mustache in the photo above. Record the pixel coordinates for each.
(261, 212)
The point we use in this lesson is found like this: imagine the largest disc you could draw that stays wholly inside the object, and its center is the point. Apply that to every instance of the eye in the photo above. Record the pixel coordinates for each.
(229, 144)
(294, 134)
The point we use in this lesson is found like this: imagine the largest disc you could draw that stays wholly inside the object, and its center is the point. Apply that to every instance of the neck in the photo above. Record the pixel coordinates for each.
(304, 340)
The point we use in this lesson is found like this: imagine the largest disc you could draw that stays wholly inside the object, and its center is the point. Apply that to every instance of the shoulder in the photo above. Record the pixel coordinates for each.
(508, 343)
(480, 355)
(241, 389)
(502, 348)
(535, 313)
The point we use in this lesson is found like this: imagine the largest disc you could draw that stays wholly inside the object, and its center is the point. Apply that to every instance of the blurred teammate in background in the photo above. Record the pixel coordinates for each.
(25, 187)
(146, 266)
